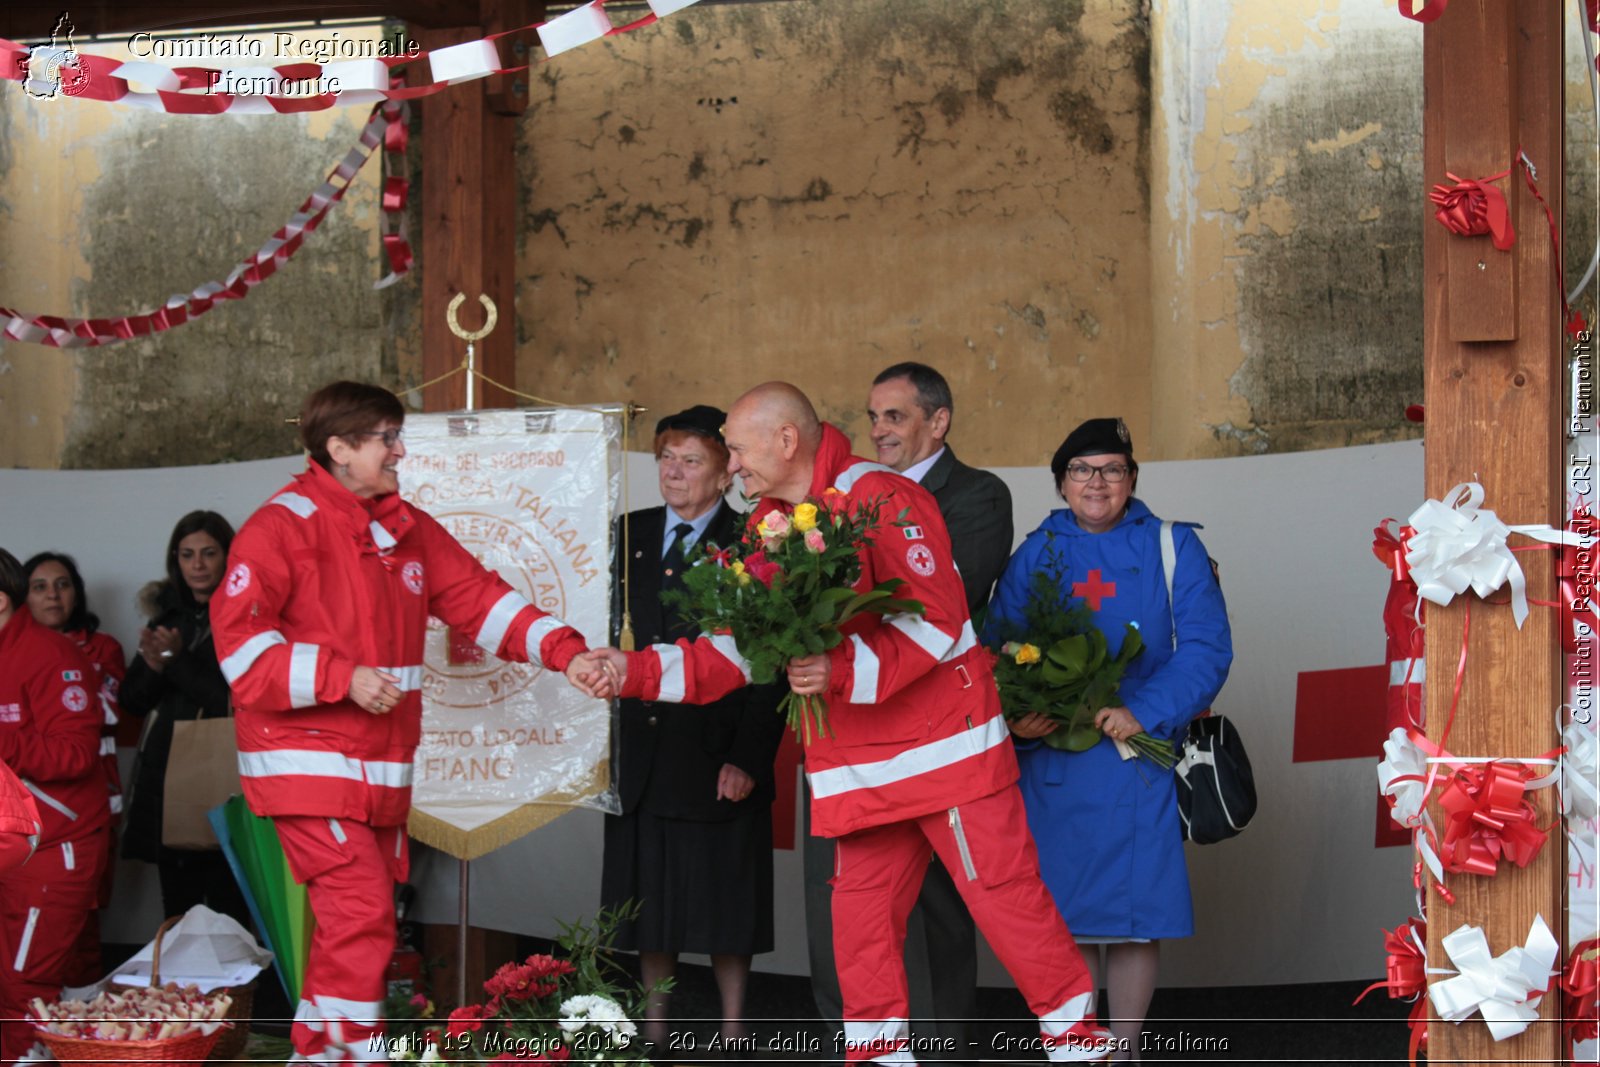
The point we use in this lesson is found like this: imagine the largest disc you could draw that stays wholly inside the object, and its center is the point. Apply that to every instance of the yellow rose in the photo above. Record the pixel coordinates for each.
(738, 571)
(1028, 654)
(805, 517)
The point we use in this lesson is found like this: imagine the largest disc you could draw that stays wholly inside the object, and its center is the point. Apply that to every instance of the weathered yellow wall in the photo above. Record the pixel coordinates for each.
(1204, 217)
(109, 211)
(814, 191)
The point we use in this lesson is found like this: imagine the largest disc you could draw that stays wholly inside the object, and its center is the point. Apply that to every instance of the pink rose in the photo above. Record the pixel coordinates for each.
(776, 522)
(815, 542)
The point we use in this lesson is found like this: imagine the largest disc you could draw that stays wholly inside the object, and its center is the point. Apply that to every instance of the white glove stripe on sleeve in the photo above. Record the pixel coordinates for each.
(541, 629)
(303, 675)
(673, 685)
(498, 621)
(925, 635)
(864, 688)
(245, 655)
(729, 649)
(910, 763)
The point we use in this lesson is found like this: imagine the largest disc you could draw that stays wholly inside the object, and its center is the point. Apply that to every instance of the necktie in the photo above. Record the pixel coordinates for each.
(672, 559)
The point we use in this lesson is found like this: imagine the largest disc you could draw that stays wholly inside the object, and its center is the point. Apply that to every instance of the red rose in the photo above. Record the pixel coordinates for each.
(761, 568)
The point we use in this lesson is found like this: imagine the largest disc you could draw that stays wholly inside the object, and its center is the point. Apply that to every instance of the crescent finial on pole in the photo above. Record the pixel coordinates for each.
(491, 316)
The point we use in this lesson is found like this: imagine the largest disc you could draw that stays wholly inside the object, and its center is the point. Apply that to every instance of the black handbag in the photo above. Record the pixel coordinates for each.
(1216, 789)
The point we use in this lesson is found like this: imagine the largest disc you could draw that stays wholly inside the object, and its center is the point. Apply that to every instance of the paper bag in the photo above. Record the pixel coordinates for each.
(202, 772)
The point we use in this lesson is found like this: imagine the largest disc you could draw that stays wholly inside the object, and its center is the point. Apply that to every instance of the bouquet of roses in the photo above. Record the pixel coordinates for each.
(787, 589)
(1057, 662)
(543, 1010)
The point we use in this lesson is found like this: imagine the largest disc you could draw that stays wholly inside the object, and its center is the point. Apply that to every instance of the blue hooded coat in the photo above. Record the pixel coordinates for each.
(1110, 842)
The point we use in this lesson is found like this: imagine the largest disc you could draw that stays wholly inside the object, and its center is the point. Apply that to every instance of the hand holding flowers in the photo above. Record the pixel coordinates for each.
(785, 593)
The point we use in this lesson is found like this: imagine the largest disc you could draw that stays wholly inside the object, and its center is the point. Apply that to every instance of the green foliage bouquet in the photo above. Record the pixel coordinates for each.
(787, 589)
(1057, 662)
(547, 1009)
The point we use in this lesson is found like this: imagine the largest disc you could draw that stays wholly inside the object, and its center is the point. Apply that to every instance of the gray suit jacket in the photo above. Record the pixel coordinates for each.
(976, 506)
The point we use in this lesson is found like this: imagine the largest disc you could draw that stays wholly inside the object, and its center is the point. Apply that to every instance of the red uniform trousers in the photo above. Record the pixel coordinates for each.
(43, 906)
(349, 870)
(986, 847)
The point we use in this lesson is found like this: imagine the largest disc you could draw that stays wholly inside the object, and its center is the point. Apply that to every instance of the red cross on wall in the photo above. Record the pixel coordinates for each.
(1340, 714)
(1094, 590)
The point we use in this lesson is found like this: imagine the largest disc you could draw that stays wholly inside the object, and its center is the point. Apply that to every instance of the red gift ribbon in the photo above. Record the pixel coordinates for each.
(1469, 208)
(1406, 967)
(1489, 818)
(1429, 11)
(1391, 550)
(1580, 988)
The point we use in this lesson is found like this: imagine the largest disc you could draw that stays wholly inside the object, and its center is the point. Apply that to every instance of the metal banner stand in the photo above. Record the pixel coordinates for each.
(492, 316)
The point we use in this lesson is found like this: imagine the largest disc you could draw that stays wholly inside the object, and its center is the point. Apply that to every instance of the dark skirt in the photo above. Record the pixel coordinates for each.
(702, 886)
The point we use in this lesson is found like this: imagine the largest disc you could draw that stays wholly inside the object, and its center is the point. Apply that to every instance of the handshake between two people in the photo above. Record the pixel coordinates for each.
(601, 672)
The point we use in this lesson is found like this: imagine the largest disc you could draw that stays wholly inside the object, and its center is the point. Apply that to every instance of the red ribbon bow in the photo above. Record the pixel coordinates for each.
(1391, 550)
(1406, 967)
(1489, 817)
(1580, 987)
(1469, 208)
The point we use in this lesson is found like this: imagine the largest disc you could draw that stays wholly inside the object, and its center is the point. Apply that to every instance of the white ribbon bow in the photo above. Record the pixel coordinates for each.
(1580, 771)
(1459, 545)
(1403, 759)
(1506, 988)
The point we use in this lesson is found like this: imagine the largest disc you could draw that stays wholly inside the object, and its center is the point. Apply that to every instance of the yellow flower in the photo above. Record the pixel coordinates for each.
(1028, 654)
(805, 517)
(738, 570)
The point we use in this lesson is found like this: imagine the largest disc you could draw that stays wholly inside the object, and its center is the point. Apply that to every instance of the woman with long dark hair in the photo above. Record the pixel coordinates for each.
(174, 678)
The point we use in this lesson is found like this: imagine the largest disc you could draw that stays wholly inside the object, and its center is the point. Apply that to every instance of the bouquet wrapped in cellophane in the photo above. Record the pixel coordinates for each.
(1055, 661)
(785, 591)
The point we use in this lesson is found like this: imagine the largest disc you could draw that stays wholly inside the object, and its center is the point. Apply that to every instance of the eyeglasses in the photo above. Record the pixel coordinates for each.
(691, 462)
(1111, 472)
(390, 437)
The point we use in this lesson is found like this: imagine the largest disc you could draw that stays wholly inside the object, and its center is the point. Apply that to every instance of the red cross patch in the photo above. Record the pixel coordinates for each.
(919, 557)
(1094, 590)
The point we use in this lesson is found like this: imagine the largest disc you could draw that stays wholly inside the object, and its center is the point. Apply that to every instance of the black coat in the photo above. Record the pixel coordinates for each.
(191, 687)
(669, 755)
(976, 506)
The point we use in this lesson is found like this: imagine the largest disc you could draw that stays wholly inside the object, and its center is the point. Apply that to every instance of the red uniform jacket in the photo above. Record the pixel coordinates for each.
(19, 821)
(320, 582)
(912, 705)
(110, 668)
(50, 728)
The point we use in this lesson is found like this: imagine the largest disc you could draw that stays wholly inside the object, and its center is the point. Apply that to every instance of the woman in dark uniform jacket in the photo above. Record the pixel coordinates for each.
(693, 844)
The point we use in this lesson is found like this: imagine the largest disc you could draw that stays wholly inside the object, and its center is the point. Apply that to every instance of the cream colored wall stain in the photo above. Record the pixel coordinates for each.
(959, 183)
(110, 211)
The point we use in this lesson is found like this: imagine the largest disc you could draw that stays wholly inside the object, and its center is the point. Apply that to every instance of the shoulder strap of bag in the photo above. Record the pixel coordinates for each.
(1169, 563)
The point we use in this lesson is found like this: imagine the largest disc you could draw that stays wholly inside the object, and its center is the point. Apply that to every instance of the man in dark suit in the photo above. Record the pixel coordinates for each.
(693, 844)
(910, 407)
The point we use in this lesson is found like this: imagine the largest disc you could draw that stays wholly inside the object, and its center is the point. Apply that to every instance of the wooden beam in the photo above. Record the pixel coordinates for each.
(469, 201)
(34, 20)
(1493, 416)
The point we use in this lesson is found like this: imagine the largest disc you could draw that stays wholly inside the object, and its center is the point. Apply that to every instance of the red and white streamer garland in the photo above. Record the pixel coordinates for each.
(362, 82)
(280, 247)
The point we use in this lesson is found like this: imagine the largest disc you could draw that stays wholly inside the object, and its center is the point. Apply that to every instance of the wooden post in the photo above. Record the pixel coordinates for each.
(1492, 72)
(469, 219)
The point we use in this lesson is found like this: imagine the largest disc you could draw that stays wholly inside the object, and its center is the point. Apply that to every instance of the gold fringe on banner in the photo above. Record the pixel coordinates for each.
(482, 840)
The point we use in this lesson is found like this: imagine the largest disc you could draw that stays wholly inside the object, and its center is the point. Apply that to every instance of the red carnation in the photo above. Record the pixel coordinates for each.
(465, 1020)
(761, 568)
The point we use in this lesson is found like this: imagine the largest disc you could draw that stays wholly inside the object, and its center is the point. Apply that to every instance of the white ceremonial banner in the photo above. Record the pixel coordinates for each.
(530, 493)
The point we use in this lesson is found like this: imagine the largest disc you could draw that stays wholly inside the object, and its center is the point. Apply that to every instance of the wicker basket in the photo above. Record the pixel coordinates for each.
(192, 1048)
(237, 1033)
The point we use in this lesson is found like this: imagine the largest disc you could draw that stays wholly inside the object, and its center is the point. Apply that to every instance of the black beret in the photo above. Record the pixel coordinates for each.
(702, 419)
(1093, 437)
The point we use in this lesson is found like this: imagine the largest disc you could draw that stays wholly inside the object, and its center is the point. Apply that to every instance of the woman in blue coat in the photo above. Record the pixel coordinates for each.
(1110, 842)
